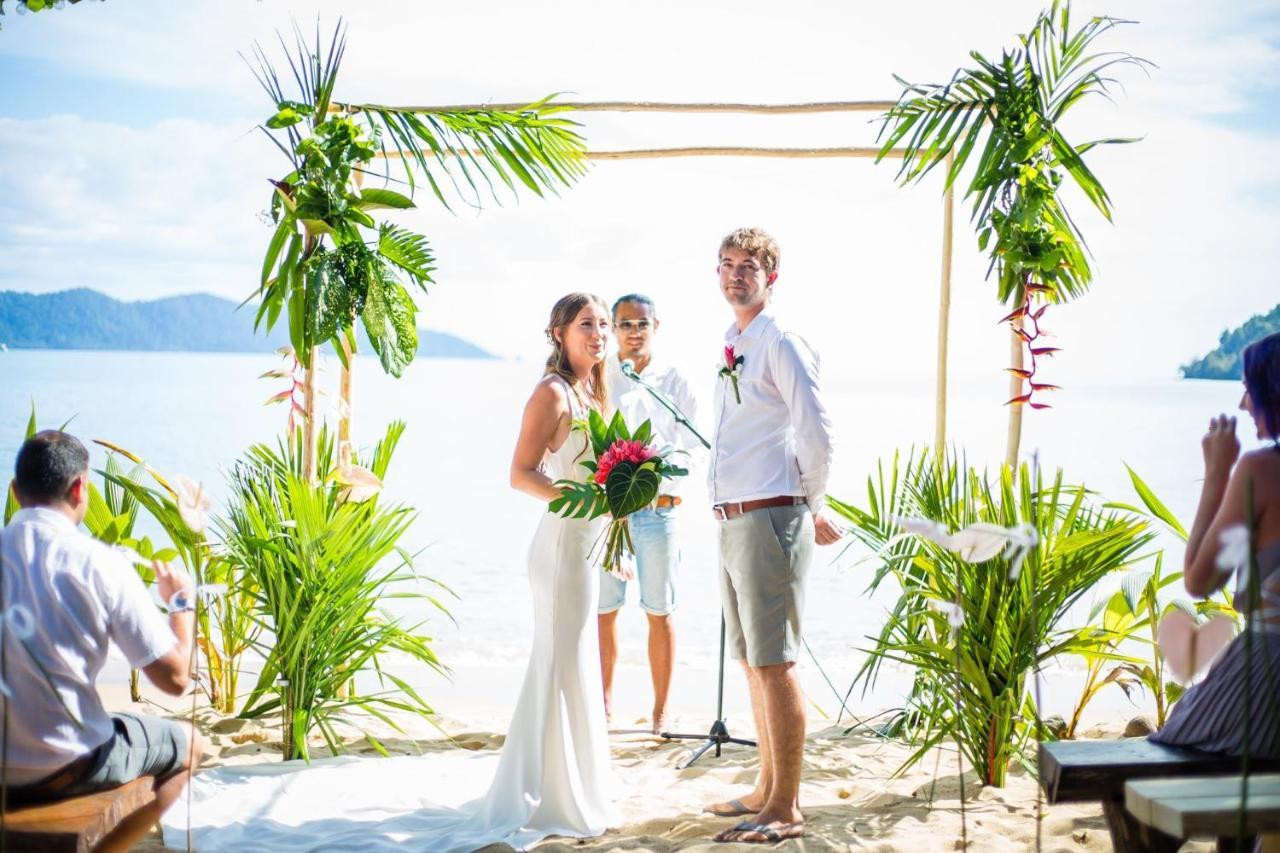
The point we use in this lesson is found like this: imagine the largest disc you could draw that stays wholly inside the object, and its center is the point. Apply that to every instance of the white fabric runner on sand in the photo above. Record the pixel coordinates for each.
(345, 803)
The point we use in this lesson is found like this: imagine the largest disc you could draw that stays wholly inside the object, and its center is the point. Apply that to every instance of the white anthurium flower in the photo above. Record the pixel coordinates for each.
(1233, 555)
(953, 611)
(210, 592)
(361, 483)
(1022, 539)
(976, 543)
(193, 504)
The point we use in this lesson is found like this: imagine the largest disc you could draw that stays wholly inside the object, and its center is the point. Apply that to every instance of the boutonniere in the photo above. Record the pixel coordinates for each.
(732, 369)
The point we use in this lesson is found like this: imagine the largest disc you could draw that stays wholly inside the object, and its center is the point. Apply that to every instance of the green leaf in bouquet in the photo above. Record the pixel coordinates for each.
(631, 487)
(667, 470)
(643, 433)
(598, 430)
(618, 428)
(579, 500)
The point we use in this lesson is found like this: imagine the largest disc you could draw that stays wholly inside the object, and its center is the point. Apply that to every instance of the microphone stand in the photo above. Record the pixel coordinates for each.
(719, 735)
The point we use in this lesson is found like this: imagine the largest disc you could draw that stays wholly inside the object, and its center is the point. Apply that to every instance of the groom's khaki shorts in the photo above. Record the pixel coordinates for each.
(764, 557)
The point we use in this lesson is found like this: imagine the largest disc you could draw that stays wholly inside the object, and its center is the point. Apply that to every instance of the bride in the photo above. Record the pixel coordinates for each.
(553, 776)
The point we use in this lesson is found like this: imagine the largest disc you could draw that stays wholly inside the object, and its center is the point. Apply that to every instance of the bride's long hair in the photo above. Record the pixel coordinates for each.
(562, 314)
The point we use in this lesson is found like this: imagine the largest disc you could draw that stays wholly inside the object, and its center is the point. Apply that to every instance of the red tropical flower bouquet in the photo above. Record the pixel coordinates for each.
(625, 476)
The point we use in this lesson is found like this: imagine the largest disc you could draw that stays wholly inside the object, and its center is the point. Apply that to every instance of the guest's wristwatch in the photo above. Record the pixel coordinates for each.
(181, 602)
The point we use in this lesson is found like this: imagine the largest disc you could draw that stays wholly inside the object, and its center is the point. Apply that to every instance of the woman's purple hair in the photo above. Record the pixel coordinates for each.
(1262, 379)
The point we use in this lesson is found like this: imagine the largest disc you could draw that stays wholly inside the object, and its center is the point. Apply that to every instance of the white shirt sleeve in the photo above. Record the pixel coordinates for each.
(134, 622)
(685, 440)
(796, 375)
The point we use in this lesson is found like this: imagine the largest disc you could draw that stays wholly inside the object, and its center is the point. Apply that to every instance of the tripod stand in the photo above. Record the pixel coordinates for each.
(719, 735)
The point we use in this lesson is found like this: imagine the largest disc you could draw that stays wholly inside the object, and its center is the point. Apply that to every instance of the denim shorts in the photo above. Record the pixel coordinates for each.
(653, 532)
(139, 746)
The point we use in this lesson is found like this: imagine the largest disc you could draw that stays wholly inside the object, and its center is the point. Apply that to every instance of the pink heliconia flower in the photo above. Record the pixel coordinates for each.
(636, 452)
(730, 360)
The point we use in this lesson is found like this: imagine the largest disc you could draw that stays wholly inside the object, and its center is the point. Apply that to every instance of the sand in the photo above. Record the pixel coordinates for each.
(850, 795)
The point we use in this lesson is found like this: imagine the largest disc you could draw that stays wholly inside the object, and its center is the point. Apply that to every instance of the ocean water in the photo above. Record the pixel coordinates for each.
(193, 414)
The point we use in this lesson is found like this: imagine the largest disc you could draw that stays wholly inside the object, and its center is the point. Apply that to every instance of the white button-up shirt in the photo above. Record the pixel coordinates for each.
(777, 441)
(82, 595)
(638, 405)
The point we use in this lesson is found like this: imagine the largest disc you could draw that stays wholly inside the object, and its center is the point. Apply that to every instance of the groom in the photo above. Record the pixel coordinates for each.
(768, 478)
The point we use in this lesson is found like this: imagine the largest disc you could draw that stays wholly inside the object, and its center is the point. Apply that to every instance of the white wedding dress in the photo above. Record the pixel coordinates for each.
(552, 778)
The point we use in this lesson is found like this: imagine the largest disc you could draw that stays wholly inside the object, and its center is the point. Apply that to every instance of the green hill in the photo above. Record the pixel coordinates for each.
(86, 319)
(1224, 362)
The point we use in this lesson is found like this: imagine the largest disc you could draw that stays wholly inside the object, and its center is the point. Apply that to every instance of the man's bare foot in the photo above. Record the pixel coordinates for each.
(659, 722)
(749, 805)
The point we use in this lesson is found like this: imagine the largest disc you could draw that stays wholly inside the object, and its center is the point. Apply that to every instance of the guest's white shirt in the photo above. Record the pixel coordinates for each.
(638, 405)
(777, 441)
(81, 594)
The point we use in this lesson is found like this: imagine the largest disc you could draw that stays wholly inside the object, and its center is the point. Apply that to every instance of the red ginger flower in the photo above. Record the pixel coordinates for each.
(621, 451)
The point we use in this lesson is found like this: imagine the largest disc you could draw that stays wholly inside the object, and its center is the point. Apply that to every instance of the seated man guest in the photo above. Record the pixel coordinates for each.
(80, 595)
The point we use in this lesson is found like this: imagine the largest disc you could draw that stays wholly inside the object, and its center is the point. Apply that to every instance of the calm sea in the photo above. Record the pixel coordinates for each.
(194, 414)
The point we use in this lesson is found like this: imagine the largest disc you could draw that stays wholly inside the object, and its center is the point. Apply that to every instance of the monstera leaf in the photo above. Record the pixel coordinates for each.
(631, 487)
(579, 500)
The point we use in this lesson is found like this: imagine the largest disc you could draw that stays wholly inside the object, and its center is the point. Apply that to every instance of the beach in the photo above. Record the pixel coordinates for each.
(849, 792)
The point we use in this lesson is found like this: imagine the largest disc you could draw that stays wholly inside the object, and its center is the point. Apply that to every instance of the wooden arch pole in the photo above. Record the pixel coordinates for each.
(944, 319)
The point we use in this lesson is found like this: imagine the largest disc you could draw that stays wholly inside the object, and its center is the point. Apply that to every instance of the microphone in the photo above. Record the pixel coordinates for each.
(629, 370)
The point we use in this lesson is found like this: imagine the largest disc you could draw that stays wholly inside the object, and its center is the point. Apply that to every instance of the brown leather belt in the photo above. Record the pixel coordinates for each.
(667, 501)
(726, 511)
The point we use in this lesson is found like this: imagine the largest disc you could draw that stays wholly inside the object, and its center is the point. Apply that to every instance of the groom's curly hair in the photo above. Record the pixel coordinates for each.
(756, 242)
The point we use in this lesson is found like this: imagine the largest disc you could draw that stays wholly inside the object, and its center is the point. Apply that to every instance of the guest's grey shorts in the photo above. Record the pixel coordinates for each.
(764, 557)
(140, 746)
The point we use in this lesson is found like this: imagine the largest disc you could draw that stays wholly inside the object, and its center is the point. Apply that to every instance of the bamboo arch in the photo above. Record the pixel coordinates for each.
(948, 204)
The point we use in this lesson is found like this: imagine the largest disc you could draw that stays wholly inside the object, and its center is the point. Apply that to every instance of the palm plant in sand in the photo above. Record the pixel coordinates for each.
(1016, 107)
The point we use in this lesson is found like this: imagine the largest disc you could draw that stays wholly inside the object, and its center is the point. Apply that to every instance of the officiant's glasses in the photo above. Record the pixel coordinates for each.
(629, 326)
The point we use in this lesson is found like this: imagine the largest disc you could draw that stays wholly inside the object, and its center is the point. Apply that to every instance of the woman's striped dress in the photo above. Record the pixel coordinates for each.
(1211, 716)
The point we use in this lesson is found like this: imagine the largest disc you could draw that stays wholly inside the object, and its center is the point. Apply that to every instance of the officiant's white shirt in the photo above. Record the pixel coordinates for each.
(83, 596)
(638, 405)
(777, 441)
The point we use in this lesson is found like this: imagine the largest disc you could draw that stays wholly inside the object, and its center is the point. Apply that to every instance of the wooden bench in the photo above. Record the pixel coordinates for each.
(1205, 805)
(76, 825)
(1074, 771)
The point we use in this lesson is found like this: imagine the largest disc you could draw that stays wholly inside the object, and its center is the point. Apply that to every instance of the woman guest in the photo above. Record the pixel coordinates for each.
(1211, 716)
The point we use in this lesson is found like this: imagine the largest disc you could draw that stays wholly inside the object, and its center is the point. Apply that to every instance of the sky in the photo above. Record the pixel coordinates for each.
(131, 165)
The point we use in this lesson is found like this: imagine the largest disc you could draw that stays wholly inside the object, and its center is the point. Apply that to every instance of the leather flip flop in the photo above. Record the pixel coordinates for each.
(771, 835)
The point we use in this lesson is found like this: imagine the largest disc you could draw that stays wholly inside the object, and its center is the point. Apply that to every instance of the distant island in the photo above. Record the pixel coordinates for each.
(86, 319)
(1224, 362)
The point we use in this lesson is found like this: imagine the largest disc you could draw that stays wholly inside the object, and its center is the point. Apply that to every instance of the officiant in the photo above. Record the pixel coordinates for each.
(654, 531)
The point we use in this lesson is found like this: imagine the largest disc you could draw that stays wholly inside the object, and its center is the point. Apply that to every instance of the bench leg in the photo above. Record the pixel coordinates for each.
(1130, 836)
